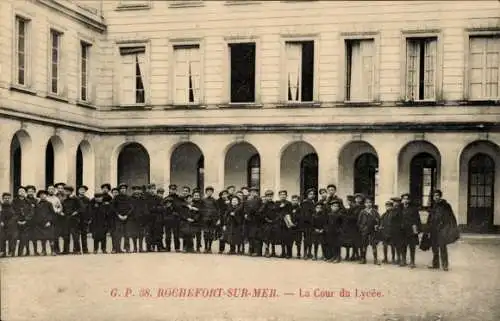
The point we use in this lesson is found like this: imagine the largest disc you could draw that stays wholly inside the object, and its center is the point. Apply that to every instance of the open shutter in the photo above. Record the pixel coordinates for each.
(430, 69)
(293, 70)
(477, 70)
(127, 84)
(181, 81)
(141, 77)
(492, 68)
(367, 68)
(355, 72)
(412, 68)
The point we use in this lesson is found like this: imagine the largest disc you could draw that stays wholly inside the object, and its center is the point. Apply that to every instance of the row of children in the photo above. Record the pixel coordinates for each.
(235, 218)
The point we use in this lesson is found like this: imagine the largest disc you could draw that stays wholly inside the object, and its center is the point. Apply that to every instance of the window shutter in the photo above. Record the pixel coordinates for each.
(492, 67)
(195, 69)
(477, 65)
(412, 68)
(430, 69)
(356, 70)
(128, 79)
(293, 71)
(181, 81)
(367, 68)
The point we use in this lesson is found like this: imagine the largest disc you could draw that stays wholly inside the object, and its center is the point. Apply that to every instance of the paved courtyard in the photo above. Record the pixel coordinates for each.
(142, 287)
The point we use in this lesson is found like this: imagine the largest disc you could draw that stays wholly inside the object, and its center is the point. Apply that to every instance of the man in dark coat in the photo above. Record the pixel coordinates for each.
(44, 227)
(307, 212)
(8, 226)
(99, 212)
(122, 208)
(209, 217)
(252, 221)
(72, 210)
(23, 213)
(285, 224)
(154, 224)
(84, 218)
(410, 227)
(33, 200)
(441, 216)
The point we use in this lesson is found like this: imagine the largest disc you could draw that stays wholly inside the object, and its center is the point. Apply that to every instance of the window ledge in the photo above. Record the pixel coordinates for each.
(240, 2)
(423, 103)
(132, 107)
(484, 102)
(22, 89)
(57, 98)
(361, 104)
(85, 104)
(241, 105)
(187, 106)
(185, 4)
(124, 7)
(308, 104)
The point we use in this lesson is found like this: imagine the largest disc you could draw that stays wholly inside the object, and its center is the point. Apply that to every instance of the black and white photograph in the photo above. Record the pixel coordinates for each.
(249, 160)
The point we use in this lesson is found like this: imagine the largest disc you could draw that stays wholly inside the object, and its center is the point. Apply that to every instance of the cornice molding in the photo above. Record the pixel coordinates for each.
(77, 13)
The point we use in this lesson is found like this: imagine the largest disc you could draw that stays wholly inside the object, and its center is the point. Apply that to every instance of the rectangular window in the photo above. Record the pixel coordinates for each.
(484, 63)
(22, 54)
(421, 66)
(84, 71)
(359, 69)
(133, 68)
(299, 70)
(55, 61)
(187, 71)
(242, 68)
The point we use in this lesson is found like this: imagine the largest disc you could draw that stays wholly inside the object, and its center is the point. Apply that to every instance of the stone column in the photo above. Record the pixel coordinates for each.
(450, 172)
(328, 164)
(270, 162)
(387, 173)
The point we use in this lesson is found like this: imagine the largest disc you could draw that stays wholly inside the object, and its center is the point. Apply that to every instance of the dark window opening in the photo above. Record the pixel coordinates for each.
(79, 167)
(254, 171)
(242, 72)
(200, 177)
(49, 164)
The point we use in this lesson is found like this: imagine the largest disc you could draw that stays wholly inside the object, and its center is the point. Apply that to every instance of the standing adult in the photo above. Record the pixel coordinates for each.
(410, 227)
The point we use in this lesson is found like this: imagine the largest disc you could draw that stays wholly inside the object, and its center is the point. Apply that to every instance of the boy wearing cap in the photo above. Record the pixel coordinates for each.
(269, 214)
(155, 221)
(99, 212)
(84, 218)
(137, 223)
(368, 223)
(334, 228)
(170, 223)
(385, 232)
(122, 208)
(286, 226)
(22, 209)
(297, 229)
(57, 206)
(33, 200)
(189, 217)
(252, 222)
(44, 227)
(197, 226)
(319, 225)
(72, 210)
(359, 200)
(209, 216)
(308, 209)
(410, 227)
(8, 226)
(396, 234)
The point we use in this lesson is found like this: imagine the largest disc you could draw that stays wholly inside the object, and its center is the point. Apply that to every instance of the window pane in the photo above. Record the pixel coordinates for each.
(54, 85)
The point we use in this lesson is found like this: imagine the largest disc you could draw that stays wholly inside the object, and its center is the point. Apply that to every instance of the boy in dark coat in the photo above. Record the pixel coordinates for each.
(154, 224)
(209, 217)
(271, 220)
(198, 204)
(33, 200)
(189, 217)
(385, 232)
(308, 210)
(410, 227)
(44, 218)
(222, 205)
(137, 225)
(99, 212)
(396, 234)
(71, 208)
(170, 222)
(233, 224)
(319, 226)
(368, 223)
(297, 225)
(8, 226)
(333, 231)
(23, 213)
(84, 218)
(252, 222)
(122, 208)
(285, 229)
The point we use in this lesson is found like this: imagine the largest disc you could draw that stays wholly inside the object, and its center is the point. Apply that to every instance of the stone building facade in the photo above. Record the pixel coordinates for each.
(379, 97)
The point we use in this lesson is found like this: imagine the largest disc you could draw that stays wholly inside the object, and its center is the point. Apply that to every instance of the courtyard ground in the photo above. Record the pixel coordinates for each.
(115, 287)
